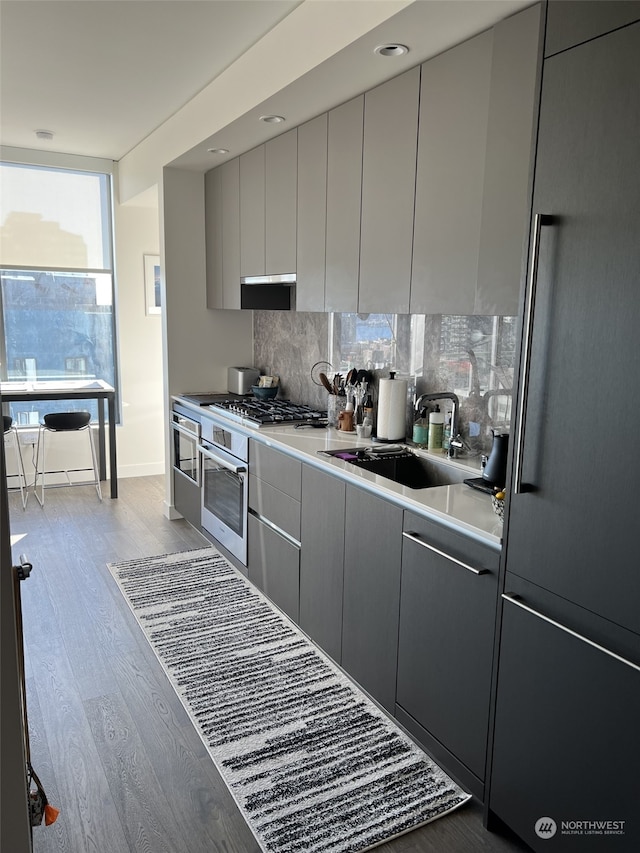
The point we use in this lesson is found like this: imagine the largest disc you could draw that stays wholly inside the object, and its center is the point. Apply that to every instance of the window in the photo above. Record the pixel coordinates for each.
(56, 277)
(472, 356)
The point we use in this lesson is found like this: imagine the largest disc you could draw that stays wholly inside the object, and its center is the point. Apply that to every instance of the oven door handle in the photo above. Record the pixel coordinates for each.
(183, 431)
(237, 469)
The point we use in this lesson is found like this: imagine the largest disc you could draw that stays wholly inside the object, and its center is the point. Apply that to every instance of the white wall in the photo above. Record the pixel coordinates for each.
(140, 437)
(199, 343)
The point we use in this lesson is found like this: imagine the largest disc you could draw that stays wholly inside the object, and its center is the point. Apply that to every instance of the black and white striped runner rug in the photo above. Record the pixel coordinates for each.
(312, 763)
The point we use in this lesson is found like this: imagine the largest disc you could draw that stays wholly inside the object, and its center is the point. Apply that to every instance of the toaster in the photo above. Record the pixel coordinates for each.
(240, 379)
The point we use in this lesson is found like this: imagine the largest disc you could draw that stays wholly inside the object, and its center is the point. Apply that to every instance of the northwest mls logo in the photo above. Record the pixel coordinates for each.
(546, 827)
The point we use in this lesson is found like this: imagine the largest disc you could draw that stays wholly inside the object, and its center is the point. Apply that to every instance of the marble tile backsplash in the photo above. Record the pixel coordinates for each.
(289, 343)
(472, 356)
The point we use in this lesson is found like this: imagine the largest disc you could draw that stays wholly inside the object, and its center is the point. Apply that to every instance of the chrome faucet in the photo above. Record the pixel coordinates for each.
(455, 442)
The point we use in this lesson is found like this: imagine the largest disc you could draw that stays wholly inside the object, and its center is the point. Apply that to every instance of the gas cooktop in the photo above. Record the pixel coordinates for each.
(267, 412)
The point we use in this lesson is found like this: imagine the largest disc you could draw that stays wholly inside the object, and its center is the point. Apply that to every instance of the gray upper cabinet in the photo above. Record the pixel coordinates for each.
(477, 105)
(505, 207)
(213, 215)
(454, 108)
(281, 176)
(409, 198)
(268, 204)
(344, 205)
(388, 191)
(252, 212)
(312, 214)
(222, 223)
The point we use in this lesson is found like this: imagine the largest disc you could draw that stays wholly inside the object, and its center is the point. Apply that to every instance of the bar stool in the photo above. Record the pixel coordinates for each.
(10, 431)
(64, 422)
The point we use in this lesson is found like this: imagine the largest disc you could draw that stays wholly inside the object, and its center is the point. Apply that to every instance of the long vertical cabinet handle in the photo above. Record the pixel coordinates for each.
(511, 599)
(539, 220)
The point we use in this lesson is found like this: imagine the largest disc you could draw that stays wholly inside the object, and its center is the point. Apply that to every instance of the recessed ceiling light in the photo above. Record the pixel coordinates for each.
(218, 150)
(391, 49)
(272, 119)
(44, 134)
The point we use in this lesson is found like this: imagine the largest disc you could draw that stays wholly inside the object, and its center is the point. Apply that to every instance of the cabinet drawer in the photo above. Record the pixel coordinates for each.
(276, 468)
(457, 546)
(274, 566)
(275, 506)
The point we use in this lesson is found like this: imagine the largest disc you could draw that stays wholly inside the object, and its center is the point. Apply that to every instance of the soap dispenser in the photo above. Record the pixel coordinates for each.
(436, 428)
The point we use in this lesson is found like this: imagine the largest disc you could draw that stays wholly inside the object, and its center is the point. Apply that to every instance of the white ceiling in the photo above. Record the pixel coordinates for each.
(106, 75)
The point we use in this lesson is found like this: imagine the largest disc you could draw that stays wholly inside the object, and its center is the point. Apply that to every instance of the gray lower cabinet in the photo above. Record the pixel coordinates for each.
(445, 647)
(372, 554)
(186, 498)
(322, 559)
(566, 749)
(273, 562)
(274, 565)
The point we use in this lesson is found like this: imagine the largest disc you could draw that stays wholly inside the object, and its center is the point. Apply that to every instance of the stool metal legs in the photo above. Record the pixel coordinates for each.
(41, 469)
(14, 437)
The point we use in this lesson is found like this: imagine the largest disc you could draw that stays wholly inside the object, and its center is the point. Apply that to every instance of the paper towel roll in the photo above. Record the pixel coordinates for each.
(392, 407)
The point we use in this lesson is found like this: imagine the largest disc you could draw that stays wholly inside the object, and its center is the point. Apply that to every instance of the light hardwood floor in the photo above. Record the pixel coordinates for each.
(110, 740)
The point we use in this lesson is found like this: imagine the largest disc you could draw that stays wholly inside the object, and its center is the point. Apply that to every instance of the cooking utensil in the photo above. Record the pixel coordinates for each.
(325, 382)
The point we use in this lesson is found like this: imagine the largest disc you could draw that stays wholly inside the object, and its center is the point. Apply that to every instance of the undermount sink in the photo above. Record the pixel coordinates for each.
(403, 467)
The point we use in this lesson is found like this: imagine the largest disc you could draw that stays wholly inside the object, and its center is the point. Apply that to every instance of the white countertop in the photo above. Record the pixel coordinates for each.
(458, 506)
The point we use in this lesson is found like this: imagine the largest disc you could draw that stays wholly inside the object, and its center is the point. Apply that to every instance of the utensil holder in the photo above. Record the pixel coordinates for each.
(336, 403)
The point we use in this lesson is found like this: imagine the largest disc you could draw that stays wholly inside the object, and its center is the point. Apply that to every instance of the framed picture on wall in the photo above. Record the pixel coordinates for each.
(153, 303)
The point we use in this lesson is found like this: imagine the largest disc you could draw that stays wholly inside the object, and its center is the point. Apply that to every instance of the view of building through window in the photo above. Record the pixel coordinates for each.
(470, 356)
(464, 354)
(56, 280)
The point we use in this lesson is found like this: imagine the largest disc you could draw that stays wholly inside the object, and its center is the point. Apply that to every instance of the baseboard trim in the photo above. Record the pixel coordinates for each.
(147, 469)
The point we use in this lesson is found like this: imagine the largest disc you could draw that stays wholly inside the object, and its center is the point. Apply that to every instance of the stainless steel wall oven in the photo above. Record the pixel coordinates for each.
(225, 484)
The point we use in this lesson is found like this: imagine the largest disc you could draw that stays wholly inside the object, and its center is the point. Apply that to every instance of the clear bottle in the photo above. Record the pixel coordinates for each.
(421, 430)
(436, 428)
(446, 433)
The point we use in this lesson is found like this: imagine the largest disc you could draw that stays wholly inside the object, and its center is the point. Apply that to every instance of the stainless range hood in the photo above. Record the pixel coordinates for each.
(268, 292)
